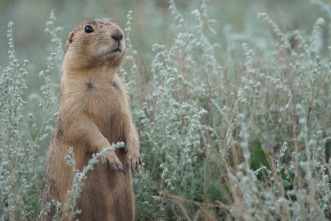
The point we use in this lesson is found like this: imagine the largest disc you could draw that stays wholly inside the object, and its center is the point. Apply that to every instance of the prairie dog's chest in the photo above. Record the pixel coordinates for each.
(100, 98)
(103, 95)
(98, 89)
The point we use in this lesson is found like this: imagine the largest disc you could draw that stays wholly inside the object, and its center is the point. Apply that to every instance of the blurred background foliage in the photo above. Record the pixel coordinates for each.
(152, 23)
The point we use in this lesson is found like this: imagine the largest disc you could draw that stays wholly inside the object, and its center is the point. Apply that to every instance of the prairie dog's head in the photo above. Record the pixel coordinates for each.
(95, 43)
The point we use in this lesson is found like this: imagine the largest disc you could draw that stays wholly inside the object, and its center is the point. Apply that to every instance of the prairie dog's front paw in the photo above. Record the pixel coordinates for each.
(113, 161)
(133, 161)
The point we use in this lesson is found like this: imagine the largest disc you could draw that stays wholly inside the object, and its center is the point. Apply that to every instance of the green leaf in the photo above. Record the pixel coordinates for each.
(260, 158)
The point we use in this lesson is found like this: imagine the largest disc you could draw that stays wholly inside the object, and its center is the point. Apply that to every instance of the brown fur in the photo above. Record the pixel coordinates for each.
(94, 113)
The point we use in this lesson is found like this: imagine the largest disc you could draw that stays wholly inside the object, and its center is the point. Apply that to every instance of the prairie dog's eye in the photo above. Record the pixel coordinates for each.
(88, 29)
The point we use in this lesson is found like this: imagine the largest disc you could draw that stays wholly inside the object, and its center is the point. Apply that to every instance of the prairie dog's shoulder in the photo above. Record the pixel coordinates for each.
(94, 43)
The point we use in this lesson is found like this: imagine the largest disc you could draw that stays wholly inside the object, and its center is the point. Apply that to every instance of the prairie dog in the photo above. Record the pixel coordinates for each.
(94, 113)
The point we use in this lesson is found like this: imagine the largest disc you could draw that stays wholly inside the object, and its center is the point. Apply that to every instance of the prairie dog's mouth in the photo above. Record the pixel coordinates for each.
(112, 49)
(116, 50)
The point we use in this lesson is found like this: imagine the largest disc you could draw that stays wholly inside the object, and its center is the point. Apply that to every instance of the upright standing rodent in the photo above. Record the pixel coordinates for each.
(94, 113)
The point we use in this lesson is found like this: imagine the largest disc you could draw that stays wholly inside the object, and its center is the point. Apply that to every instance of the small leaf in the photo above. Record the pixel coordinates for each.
(260, 158)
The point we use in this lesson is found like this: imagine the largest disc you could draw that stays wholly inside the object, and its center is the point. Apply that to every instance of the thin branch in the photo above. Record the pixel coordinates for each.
(200, 204)
(180, 204)
(316, 95)
(11, 189)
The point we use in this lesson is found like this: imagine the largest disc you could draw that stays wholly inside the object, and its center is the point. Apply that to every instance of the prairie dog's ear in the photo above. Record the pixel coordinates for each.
(69, 41)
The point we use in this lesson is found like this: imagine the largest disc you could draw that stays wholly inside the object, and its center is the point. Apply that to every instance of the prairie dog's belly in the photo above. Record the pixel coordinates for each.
(105, 106)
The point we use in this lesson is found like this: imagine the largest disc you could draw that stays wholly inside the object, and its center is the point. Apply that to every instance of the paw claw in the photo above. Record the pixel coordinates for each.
(123, 169)
(104, 161)
(133, 162)
(114, 162)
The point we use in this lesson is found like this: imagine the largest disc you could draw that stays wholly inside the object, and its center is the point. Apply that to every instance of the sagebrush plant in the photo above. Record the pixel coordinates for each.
(21, 165)
(237, 131)
(245, 139)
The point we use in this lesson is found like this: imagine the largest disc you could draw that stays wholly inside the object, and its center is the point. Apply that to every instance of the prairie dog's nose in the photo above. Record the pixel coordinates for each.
(117, 35)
